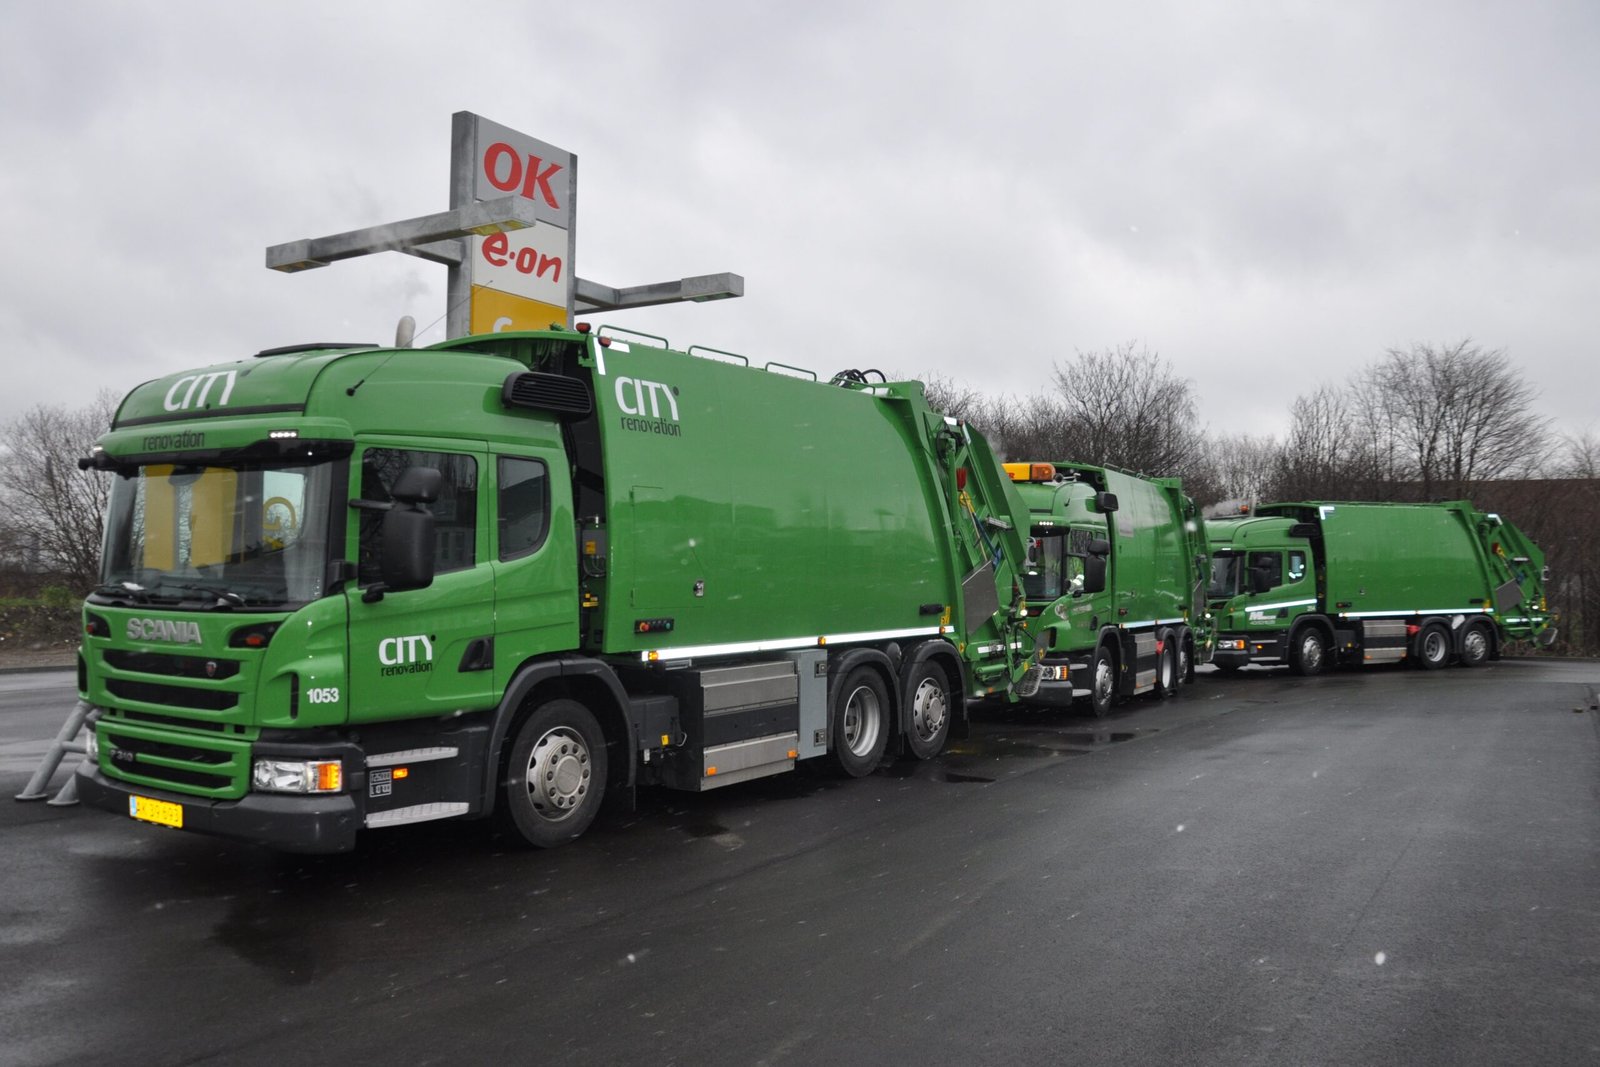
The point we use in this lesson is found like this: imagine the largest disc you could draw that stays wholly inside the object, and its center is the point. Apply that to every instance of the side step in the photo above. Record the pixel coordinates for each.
(416, 813)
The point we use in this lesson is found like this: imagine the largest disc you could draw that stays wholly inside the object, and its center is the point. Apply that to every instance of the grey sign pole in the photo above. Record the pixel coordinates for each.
(443, 238)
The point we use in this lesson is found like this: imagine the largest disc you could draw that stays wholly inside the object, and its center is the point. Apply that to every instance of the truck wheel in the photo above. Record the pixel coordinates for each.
(556, 775)
(1186, 660)
(1433, 647)
(858, 732)
(1103, 683)
(1166, 672)
(1474, 646)
(1310, 654)
(928, 711)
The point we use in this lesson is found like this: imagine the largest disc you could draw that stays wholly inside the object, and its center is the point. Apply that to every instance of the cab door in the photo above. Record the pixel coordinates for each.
(534, 560)
(422, 651)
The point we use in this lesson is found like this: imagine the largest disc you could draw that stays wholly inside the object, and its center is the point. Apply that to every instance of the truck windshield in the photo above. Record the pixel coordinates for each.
(252, 535)
(1225, 571)
(1055, 563)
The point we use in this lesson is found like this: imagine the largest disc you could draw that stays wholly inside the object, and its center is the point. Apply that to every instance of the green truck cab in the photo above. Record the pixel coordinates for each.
(348, 588)
(1317, 584)
(1114, 585)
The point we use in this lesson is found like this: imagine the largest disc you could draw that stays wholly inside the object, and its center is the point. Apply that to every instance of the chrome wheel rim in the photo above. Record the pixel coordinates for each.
(1102, 682)
(861, 721)
(559, 772)
(929, 706)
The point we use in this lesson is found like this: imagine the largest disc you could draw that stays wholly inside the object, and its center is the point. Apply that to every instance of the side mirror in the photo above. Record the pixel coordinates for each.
(406, 556)
(1094, 573)
(1105, 503)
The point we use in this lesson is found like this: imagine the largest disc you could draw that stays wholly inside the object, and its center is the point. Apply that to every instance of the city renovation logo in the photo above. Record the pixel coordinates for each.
(411, 654)
(648, 407)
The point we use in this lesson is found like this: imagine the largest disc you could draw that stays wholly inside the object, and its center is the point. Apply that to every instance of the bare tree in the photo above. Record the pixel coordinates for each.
(1243, 467)
(1322, 456)
(1126, 407)
(1035, 427)
(954, 398)
(1456, 414)
(52, 510)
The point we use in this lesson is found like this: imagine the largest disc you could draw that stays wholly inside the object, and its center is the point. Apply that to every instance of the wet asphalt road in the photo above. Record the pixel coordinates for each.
(1375, 867)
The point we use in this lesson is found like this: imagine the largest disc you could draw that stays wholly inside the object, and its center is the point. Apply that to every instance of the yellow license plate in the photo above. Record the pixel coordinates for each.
(157, 811)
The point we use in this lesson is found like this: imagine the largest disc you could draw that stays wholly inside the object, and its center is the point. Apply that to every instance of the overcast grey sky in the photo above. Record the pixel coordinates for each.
(1268, 194)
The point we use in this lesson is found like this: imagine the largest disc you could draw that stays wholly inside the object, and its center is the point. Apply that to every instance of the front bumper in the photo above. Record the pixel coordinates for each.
(1243, 649)
(315, 824)
(1055, 688)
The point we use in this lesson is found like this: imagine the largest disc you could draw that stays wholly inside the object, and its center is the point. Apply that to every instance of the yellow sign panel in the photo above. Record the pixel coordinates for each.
(494, 311)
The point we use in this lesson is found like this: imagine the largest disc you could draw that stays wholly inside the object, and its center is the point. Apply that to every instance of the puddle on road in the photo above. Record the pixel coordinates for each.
(965, 761)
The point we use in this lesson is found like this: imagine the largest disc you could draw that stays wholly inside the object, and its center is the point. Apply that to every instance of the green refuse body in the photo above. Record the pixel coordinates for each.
(1322, 583)
(509, 575)
(1115, 585)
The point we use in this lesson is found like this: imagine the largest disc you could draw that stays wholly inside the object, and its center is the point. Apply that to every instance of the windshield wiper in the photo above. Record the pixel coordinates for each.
(127, 590)
(224, 596)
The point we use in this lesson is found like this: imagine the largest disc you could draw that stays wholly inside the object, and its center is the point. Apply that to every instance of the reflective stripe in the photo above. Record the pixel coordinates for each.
(1281, 604)
(1429, 611)
(779, 643)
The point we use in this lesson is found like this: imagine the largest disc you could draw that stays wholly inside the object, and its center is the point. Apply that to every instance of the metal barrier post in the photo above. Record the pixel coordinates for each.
(66, 741)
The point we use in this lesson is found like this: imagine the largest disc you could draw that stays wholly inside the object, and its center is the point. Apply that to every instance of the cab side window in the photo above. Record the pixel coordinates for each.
(455, 513)
(1269, 565)
(522, 506)
(1297, 566)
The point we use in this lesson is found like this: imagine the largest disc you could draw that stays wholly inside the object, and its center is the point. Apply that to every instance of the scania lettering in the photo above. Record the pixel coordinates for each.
(1323, 583)
(164, 630)
(494, 578)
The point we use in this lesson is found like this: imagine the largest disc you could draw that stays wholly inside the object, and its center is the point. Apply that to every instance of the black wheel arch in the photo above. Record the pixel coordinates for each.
(944, 654)
(590, 682)
(1330, 648)
(1120, 644)
(839, 667)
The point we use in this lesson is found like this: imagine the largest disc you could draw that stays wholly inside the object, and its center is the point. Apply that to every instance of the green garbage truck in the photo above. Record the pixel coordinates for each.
(348, 588)
(1324, 583)
(1115, 584)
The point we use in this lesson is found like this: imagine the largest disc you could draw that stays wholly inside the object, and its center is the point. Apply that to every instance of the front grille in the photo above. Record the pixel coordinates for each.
(165, 758)
(170, 665)
(177, 696)
(173, 720)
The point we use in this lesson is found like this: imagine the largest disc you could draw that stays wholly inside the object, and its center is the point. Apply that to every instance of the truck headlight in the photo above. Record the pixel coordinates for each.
(297, 776)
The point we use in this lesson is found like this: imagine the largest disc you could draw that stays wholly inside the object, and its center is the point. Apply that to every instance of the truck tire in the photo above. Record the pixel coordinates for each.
(1433, 647)
(859, 723)
(1102, 683)
(928, 710)
(1309, 654)
(1166, 671)
(1475, 645)
(1186, 659)
(555, 779)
